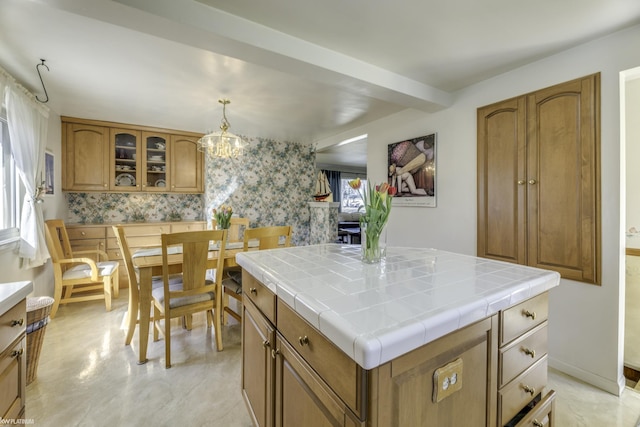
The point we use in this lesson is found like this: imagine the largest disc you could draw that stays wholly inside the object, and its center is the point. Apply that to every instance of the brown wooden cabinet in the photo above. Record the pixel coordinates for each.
(85, 154)
(538, 179)
(13, 362)
(139, 236)
(117, 157)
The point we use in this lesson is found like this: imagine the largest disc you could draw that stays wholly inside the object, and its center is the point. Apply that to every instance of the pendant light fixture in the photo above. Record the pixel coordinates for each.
(222, 143)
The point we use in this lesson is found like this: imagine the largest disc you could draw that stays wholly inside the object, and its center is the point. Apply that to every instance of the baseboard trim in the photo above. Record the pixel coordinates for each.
(613, 387)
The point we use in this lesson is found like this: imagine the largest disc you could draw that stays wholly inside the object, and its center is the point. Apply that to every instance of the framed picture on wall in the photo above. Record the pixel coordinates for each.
(49, 188)
(412, 171)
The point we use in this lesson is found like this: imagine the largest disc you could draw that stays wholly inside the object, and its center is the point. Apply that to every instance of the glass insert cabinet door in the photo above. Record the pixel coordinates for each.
(125, 149)
(155, 164)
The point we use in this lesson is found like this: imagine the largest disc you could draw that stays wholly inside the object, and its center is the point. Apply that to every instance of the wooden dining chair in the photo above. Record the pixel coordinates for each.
(133, 312)
(237, 226)
(81, 275)
(268, 238)
(195, 293)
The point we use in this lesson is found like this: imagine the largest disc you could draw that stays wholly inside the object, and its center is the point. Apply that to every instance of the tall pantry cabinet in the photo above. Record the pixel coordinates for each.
(539, 179)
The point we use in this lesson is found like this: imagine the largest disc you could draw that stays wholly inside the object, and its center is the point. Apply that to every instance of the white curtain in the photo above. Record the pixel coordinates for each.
(27, 123)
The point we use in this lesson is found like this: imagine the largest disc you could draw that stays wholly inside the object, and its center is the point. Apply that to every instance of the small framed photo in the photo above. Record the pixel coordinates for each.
(412, 171)
(49, 188)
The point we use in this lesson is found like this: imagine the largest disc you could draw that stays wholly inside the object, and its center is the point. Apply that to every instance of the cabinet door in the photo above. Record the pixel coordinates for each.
(84, 164)
(13, 379)
(257, 365)
(501, 181)
(302, 397)
(187, 164)
(563, 180)
(125, 158)
(155, 162)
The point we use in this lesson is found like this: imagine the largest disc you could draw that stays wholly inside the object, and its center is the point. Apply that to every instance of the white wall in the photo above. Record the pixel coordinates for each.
(586, 324)
(53, 207)
(632, 129)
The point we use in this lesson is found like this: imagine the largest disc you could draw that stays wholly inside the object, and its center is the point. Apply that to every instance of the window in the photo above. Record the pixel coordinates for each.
(351, 200)
(11, 188)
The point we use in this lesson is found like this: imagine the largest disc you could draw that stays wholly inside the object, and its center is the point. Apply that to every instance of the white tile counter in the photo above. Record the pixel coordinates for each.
(375, 313)
(12, 293)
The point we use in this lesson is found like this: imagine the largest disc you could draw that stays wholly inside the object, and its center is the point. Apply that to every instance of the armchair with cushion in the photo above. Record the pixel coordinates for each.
(77, 276)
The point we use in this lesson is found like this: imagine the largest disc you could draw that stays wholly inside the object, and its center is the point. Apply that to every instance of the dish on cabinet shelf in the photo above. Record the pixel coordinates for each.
(160, 183)
(125, 180)
(156, 158)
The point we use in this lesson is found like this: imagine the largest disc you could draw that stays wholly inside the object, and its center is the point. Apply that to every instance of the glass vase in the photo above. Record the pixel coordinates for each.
(373, 241)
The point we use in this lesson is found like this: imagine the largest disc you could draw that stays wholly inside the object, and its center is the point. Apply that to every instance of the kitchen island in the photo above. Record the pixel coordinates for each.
(427, 337)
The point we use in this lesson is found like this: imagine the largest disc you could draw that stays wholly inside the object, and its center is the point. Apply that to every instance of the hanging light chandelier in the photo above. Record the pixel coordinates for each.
(222, 143)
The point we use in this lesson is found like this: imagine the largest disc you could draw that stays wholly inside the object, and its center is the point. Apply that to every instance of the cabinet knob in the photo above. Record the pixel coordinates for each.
(532, 181)
(537, 423)
(303, 340)
(529, 352)
(105, 185)
(17, 322)
(274, 353)
(266, 343)
(17, 353)
(530, 390)
(254, 291)
(531, 314)
(521, 182)
(83, 233)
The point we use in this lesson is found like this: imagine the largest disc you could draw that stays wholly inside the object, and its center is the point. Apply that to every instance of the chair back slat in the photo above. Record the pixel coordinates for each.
(121, 239)
(268, 237)
(195, 253)
(237, 226)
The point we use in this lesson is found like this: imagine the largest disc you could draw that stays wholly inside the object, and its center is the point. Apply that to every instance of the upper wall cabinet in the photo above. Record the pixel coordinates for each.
(115, 157)
(539, 182)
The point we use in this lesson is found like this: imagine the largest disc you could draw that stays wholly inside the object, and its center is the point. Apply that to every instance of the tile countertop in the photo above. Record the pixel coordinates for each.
(12, 293)
(375, 313)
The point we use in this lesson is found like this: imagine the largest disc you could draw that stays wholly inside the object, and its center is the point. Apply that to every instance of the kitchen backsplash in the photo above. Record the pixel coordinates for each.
(127, 207)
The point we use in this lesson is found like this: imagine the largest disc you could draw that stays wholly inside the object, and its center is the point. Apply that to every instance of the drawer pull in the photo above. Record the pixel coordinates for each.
(17, 353)
(303, 340)
(537, 423)
(254, 291)
(17, 322)
(527, 313)
(274, 353)
(266, 343)
(530, 390)
(529, 352)
(83, 233)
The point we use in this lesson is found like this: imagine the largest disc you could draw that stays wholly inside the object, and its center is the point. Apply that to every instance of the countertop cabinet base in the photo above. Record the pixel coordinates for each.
(13, 362)
(475, 376)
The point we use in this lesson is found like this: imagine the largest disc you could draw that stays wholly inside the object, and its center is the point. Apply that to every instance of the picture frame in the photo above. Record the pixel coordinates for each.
(49, 182)
(412, 171)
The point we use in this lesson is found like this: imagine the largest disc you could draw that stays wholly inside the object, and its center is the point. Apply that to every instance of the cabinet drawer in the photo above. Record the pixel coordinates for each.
(522, 317)
(86, 233)
(518, 393)
(260, 295)
(13, 323)
(87, 245)
(336, 368)
(194, 226)
(542, 414)
(522, 353)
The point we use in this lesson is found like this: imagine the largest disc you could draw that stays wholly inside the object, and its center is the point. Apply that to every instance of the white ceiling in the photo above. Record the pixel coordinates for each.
(296, 70)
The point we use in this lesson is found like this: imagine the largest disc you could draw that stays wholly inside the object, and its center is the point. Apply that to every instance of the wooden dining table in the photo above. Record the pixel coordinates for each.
(149, 264)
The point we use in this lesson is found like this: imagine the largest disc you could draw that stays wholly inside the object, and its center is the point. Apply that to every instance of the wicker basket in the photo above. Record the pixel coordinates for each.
(38, 309)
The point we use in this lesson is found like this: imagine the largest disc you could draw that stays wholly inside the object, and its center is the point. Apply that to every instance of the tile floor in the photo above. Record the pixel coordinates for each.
(87, 377)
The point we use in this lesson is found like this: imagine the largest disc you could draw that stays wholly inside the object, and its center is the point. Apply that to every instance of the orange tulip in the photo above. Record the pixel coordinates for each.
(355, 183)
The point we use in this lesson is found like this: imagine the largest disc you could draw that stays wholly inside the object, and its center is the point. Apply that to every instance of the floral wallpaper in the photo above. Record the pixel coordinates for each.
(127, 207)
(323, 222)
(272, 184)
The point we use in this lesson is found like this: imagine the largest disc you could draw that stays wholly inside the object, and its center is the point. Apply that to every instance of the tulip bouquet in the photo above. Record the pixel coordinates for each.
(377, 207)
(223, 216)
